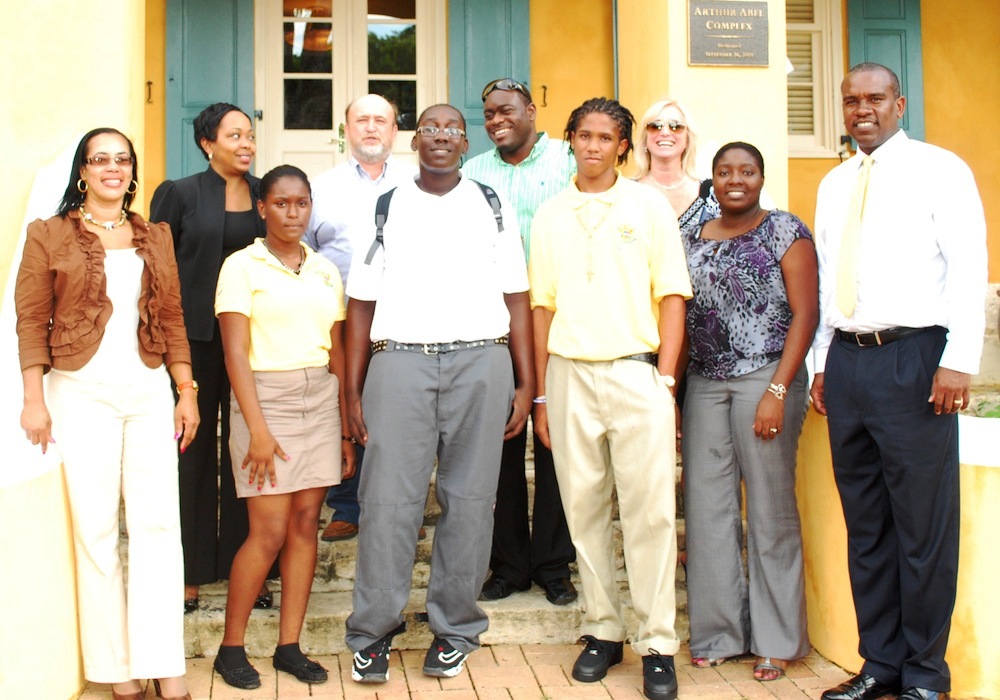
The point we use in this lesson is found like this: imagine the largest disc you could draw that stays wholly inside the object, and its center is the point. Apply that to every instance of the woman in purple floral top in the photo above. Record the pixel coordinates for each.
(750, 324)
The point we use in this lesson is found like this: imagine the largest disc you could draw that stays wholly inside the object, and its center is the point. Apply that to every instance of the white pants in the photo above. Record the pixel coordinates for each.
(116, 441)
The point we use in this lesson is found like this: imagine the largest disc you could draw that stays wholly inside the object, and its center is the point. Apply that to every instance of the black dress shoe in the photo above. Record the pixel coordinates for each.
(497, 587)
(560, 591)
(861, 687)
(596, 658)
(265, 601)
(190, 605)
(921, 694)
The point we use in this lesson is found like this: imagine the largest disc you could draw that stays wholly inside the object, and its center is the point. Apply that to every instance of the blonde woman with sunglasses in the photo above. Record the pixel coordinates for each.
(665, 155)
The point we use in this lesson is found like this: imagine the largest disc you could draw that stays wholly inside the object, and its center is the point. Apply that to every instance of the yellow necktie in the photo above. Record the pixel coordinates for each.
(847, 265)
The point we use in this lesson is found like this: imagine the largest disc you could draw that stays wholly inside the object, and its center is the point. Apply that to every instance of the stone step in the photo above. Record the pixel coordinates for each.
(335, 565)
(523, 618)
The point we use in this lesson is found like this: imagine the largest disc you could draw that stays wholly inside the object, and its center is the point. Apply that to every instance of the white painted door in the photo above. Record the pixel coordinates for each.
(313, 57)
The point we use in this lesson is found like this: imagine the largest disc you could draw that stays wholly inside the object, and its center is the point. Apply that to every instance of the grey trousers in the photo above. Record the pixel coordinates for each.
(416, 406)
(730, 615)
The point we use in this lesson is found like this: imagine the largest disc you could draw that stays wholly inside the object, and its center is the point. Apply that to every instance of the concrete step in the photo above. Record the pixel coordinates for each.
(523, 618)
(335, 565)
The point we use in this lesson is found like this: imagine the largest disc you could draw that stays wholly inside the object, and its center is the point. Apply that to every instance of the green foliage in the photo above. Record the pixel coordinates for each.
(393, 54)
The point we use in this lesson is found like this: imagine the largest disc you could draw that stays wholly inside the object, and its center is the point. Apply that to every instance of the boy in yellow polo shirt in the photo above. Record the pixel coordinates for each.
(608, 282)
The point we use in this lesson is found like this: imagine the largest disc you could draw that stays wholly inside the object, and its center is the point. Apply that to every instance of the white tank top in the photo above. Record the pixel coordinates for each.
(117, 359)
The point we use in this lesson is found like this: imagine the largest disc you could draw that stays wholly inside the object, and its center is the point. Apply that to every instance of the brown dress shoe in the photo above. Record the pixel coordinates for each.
(339, 530)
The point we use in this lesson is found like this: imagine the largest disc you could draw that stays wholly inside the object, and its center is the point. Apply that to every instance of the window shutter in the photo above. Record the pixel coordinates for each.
(801, 85)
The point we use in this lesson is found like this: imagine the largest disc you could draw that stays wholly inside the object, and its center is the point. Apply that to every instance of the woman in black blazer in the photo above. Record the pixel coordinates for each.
(211, 215)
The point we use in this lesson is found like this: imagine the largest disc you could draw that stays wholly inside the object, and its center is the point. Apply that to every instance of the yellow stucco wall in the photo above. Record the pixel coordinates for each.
(962, 95)
(39, 644)
(571, 54)
(154, 146)
(80, 68)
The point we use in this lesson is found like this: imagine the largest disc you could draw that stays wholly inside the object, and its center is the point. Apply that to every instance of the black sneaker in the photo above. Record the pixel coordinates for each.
(596, 658)
(371, 664)
(443, 660)
(659, 681)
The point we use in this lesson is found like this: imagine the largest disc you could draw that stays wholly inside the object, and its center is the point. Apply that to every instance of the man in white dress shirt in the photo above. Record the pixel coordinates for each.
(902, 284)
(344, 213)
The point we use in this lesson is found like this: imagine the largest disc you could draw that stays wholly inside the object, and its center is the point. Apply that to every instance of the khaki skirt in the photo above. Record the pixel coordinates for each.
(302, 411)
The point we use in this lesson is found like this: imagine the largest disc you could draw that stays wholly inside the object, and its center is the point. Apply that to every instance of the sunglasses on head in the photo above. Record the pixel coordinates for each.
(674, 126)
(505, 84)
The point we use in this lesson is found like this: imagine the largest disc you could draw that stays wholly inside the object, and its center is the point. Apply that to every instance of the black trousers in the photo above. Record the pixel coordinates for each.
(542, 554)
(896, 466)
(213, 521)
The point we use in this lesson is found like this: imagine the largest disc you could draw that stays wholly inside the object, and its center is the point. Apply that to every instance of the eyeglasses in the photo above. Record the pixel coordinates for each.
(451, 132)
(102, 161)
(674, 126)
(505, 84)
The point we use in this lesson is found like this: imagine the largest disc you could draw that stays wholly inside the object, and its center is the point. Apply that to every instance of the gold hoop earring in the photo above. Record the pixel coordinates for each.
(134, 188)
(81, 186)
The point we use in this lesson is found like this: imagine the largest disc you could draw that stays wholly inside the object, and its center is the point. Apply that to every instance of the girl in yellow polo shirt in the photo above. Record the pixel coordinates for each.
(280, 308)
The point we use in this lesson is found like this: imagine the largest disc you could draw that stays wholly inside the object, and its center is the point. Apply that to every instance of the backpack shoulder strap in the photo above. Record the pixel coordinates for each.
(494, 200)
(381, 214)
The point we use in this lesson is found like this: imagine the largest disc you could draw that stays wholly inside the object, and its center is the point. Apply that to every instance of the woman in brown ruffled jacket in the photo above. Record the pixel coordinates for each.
(98, 311)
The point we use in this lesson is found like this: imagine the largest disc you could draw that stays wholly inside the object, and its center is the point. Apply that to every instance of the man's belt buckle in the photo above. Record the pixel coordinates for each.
(430, 349)
(877, 335)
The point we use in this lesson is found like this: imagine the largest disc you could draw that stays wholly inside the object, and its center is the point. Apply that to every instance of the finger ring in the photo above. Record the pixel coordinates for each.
(774, 430)
(957, 401)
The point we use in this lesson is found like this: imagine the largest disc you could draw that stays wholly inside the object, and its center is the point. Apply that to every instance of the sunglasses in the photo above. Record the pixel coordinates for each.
(505, 84)
(674, 126)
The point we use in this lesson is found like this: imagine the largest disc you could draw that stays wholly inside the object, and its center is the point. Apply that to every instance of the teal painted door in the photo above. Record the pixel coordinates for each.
(209, 59)
(888, 32)
(487, 39)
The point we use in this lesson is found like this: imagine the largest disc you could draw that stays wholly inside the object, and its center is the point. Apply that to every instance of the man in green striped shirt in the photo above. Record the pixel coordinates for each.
(526, 168)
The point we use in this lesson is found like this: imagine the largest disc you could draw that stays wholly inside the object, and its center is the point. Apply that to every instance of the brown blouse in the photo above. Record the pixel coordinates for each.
(61, 295)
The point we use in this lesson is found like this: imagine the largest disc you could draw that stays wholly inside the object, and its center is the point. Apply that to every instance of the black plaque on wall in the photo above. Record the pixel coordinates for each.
(727, 33)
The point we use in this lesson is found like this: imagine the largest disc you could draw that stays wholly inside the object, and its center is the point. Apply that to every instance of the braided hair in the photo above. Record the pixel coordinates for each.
(602, 105)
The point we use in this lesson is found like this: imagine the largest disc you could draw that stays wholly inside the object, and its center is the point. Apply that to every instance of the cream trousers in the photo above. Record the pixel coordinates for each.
(612, 425)
(116, 441)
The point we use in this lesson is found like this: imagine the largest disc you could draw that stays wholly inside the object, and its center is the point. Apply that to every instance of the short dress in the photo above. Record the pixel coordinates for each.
(290, 320)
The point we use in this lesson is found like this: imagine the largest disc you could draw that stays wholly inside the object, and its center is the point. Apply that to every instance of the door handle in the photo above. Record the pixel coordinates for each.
(339, 139)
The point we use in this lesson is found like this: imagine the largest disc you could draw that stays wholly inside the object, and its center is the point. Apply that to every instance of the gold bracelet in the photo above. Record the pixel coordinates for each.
(187, 385)
(778, 390)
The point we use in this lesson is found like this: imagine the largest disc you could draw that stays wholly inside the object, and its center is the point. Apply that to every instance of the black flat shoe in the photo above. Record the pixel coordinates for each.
(560, 591)
(245, 677)
(306, 670)
(190, 605)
